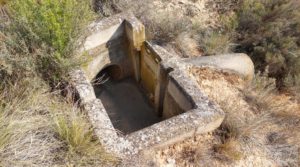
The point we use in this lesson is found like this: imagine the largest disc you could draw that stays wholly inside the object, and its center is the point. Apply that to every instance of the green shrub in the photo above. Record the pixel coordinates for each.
(14, 66)
(54, 23)
(269, 31)
(44, 34)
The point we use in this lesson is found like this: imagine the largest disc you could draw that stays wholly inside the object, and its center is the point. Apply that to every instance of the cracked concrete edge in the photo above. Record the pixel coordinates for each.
(103, 30)
(110, 139)
(175, 129)
(82, 86)
(181, 74)
(97, 114)
(105, 23)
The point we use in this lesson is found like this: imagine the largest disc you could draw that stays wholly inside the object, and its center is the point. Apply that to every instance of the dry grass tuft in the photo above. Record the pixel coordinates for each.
(28, 134)
(75, 133)
(214, 43)
(83, 147)
(164, 27)
(229, 150)
(5, 131)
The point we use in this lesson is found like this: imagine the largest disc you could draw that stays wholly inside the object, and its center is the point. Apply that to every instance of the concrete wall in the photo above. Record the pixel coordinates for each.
(168, 96)
(115, 41)
(107, 45)
(176, 100)
(149, 72)
(135, 34)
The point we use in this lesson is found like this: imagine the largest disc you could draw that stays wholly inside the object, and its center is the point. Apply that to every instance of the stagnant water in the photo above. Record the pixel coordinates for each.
(126, 104)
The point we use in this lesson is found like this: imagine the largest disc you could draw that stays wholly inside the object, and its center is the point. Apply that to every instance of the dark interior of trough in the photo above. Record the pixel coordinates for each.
(125, 101)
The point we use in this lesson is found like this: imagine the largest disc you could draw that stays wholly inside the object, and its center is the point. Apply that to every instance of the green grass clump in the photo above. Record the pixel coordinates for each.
(77, 134)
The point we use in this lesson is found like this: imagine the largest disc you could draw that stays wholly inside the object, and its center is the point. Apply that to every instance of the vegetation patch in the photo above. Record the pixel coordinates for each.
(269, 32)
(259, 120)
(47, 32)
(38, 127)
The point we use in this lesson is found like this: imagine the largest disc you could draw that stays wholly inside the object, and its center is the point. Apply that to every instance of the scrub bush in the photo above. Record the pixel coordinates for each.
(54, 23)
(269, 31)
(47, 32)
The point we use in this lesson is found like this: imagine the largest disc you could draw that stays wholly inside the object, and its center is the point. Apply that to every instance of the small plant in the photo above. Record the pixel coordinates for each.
(76, 133)
(260, 89)
(165, 27)
(78, 136)
(214, 43)
(263, 95)
(250, 120)
(293, 83)
(229, 23)
(30, 136)
(229, 150)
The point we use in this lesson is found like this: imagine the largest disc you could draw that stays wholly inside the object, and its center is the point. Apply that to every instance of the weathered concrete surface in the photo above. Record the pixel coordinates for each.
(95, 110)
(110, 42)
(82, 86)
(239, 63)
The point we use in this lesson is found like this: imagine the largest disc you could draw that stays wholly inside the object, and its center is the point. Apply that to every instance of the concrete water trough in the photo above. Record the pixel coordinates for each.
(136, 94)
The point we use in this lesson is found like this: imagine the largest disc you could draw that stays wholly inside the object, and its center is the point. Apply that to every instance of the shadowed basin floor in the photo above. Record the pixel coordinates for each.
(126, 104)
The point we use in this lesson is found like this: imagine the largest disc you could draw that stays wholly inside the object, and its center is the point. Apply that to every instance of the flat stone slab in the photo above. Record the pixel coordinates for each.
(237, 63)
